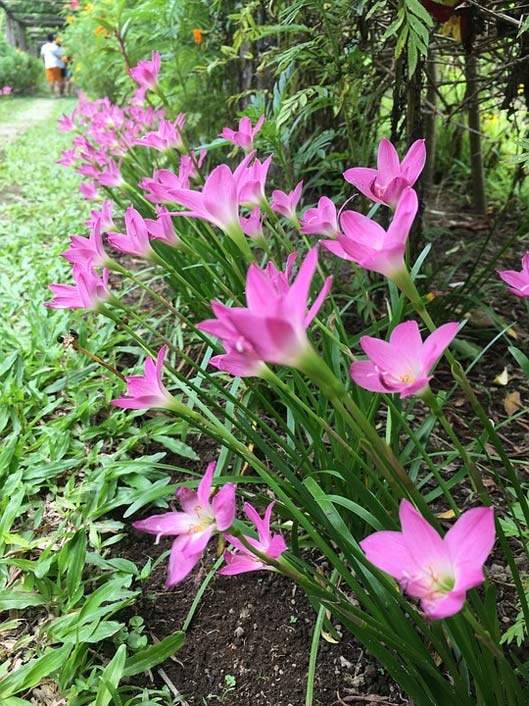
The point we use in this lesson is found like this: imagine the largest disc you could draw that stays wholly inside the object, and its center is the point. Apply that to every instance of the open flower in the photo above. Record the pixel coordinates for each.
(321, 220)
(387, 183)
(242, 560)
(147, 391)
(272, 329)
(369, 245)
(146, 72)
(136, 241)
(167, 137)
(251, 181)
(162, 228)
(402, 364)
(87, 251)
(285, 204)
(89, 291)
(518, 281)
(194, 526)
(245, 135)
(253, 225)
(103, 218)
(438, 571)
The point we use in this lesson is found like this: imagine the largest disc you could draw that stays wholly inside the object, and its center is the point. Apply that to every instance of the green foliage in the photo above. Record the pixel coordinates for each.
(19, 70)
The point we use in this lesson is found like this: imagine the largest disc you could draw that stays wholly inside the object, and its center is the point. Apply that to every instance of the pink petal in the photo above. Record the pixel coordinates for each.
(413, 163)
(407, 338)
(472, 537)
(363, 178)
(224, 507)
(362, 229)
(388, 163)
(239, 564)
(384, 355)
(367, 375)
(336, 248)
(445, 607)
(180, 564)
(204, 487)
(436, 343)
(402, 222)
(387, 551)
(170, 523)
(424, 544)
(316, 306)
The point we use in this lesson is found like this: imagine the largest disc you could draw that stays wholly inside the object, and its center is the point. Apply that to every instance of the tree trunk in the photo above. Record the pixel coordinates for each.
(479, 195)
(432, 77)
(22, 44)
(10, 31)
(415, 131)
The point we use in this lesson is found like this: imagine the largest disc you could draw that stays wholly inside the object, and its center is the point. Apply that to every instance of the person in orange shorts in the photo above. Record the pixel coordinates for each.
(51, 54)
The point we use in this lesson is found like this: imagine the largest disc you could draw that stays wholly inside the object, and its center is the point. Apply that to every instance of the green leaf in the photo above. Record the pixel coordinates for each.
(16, 600)
(520, 358)
(33, 672)
(111, 676)
(176, 446)
(154, 654)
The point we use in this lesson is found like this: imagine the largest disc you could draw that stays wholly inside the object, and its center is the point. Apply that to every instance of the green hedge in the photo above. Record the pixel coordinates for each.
(19, 70)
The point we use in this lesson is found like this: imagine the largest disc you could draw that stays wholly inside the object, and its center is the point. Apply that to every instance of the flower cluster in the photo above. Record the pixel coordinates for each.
(272, 328)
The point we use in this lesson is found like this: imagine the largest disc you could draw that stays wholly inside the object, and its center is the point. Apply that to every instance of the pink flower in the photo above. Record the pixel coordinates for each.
(103, 217)
(272, 329)
(87, 251)
(147, 391)
(167, 137)
(285, 204)
(387, 183)
(194, 527)
(6, 90)
(164, 186)
(88, 190)
(217, 202)
(369, 245)
(136, 241)
(242, 560)
(68, 158)
(518, 281)
(253, 225)
(251, 181)
(146, 72)
(245, 135)
(111, 176)
(438, 571)
(162, 228)
(321, 220)
(404, 363)
(89, 291)
(67, 122)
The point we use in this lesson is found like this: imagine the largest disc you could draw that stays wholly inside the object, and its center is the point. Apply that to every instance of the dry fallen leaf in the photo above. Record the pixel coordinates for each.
(513, 403)
(502, 378)
(448, 515)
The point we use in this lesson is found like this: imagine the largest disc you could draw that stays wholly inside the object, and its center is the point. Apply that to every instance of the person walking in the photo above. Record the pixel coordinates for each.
(51, 54)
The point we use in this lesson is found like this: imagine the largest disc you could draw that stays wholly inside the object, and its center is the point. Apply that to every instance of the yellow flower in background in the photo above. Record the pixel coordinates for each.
(70, 18)
(198, 36)
(99, 30)
(521, 87)
(77, 68)
(88, 6)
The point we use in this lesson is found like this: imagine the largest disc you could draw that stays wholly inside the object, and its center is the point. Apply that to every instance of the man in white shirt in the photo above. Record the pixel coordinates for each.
(51, 53)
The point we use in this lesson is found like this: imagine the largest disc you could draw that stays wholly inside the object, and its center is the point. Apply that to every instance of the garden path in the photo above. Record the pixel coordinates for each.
(39, 110)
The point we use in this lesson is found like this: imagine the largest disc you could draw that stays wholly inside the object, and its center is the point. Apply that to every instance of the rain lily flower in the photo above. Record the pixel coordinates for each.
(253, 225)
(6, 90)
(162, 228)
(402, 364)
(518, 281)
(217, 203)
(437, 570)
(321, 220)
(111, 176)
(167, 137)
(136, 241)
(103, 217)
(251, 181)
(285, 204)
(67, 122)
(89, 291)
(242, 560)
(88, 251)
(194, 526)
(369, 245)
(68, 158)
(387, 183)
(245, 135)
(147, 391)
(164, 186)
(146, 72)
(273, 326)
(88, 190)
